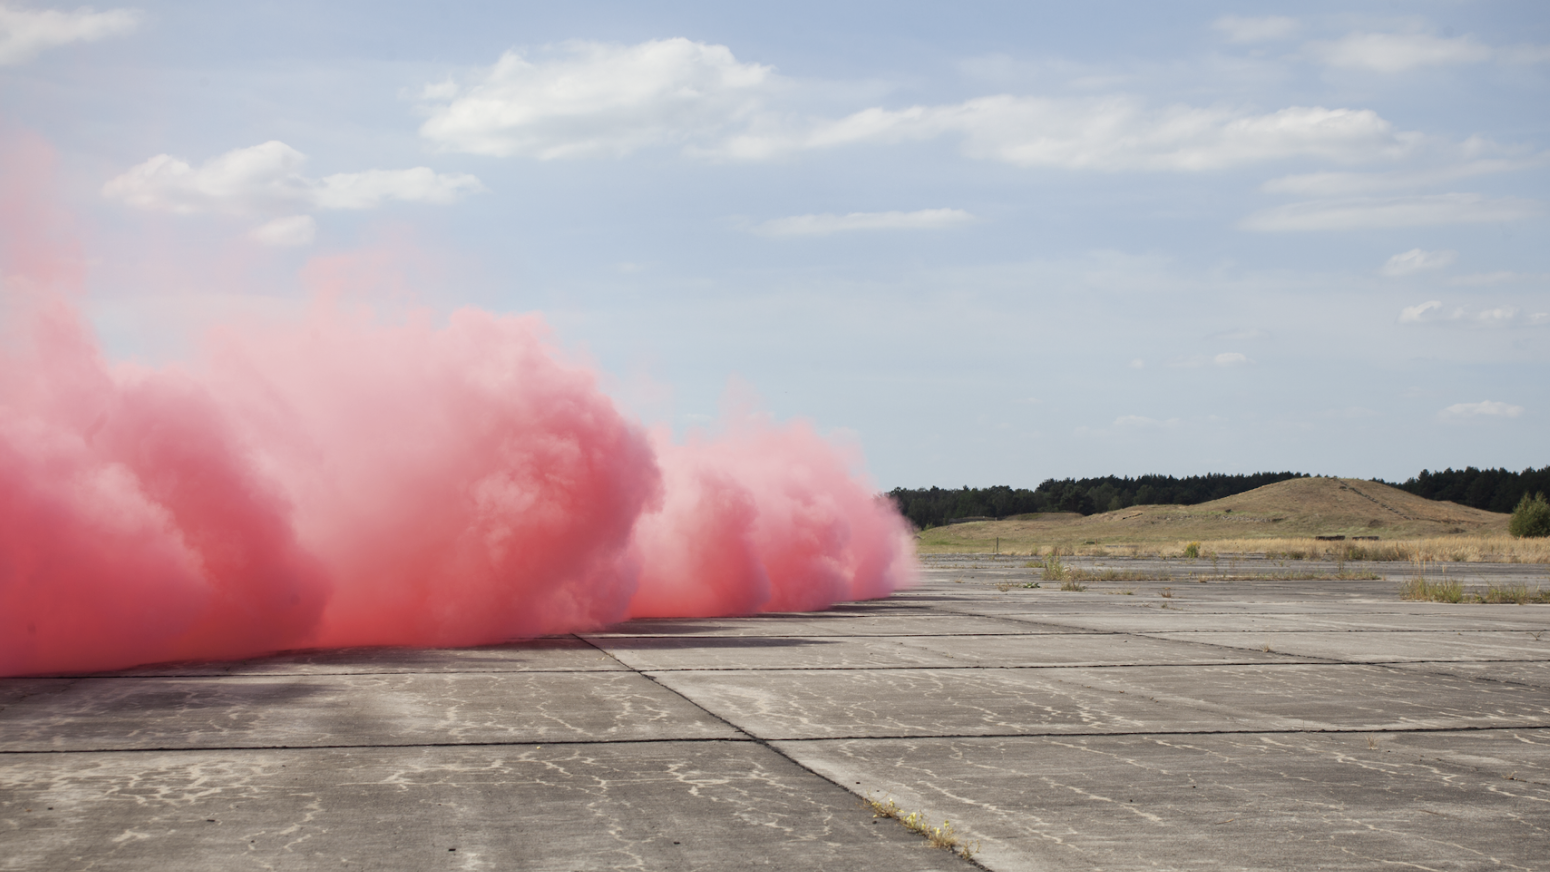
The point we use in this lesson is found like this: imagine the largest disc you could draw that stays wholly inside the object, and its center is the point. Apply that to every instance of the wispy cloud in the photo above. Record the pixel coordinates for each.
(1401, 52)
(1105, 134)
(1226, 359)
(1350, 184)
(585, 99)
(1248, 30)
(1500, 277)
(289, 231)
(1142, 422)
(1483, 409)
(1417, 260)
(266, 179)
(1364, 213)
(1412, 314)
(27, 33)
(819, 225)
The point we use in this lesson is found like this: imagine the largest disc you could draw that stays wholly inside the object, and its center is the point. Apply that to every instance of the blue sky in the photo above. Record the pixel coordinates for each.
(991, 243)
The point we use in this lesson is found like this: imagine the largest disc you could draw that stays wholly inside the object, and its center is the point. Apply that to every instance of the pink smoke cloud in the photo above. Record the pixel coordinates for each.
(342, 480)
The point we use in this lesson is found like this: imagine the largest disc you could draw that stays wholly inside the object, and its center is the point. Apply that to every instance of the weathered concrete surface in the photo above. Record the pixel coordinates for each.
(1060, 730)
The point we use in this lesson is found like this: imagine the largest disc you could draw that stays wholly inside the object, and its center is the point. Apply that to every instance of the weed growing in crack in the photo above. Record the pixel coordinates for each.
(943, 837)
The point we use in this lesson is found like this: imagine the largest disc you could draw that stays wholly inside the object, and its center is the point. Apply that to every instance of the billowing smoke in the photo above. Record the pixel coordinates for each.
(338, 481)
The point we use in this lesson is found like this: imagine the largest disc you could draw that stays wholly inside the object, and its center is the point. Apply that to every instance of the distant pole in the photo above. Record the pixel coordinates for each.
(998, 546)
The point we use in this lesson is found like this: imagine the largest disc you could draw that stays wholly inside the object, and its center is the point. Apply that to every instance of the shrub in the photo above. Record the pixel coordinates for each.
(1192, 549)
(1531, 519)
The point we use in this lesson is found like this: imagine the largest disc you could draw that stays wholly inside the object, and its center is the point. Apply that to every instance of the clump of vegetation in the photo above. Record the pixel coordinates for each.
(943, 837)
(1054, 570)
(1072, 584)
(1531, 519)
(1192, 549)
(1424, 589)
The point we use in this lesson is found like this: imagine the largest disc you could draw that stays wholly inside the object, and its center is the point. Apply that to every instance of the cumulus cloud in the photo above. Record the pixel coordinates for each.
(816, 225)
(1265, 29)
(268, 178)
(293, 230)
(1229, 358)
(1412, 314)
(1362, 213)
(595, 99)
(1484, 409)
(26, 33)
(1416, 260)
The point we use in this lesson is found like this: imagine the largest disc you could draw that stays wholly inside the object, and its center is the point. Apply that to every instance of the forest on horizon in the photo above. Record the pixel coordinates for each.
(1493, 490)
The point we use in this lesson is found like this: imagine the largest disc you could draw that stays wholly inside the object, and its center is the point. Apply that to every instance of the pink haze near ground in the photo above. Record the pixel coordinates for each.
(338, 481)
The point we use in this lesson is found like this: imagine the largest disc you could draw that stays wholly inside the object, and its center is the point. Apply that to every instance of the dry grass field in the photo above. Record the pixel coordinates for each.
(1280, 520)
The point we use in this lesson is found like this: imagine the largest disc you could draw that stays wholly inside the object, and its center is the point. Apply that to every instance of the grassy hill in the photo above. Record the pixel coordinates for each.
(1297, 509)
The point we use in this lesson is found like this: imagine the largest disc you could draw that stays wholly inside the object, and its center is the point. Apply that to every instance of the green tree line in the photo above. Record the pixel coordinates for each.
(931, 507)
(1494, 490)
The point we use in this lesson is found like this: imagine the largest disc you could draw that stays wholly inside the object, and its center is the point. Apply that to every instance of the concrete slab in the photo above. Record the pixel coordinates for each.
(1364, 620)
(1385, 647)
(1530, 672)
(298, 711)
(1260, 802)
(566, 654)
(655, 805)
(834, 624)
(1374, 732)
(896, 652)
(1164, 699)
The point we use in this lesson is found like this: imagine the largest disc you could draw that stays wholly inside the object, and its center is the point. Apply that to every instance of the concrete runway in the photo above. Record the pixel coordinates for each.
(1245, 724)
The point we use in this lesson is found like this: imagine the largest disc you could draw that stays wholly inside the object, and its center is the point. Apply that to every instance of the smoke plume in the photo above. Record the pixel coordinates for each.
(343, 480)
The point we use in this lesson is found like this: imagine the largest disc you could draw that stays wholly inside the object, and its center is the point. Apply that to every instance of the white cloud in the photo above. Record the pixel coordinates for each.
(1416, 260)
(1484, 409)
(598, 99)
(1138, 363)
(1230, 358)
(1111, 133)
(370, 189)
(26, 33)
(1499, 316)
(291, 231)
(1398, 52)
(1412, 314)
(592, 99)
(268, 178)
(813, 225)
(1361, 213)
(1242, 30)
